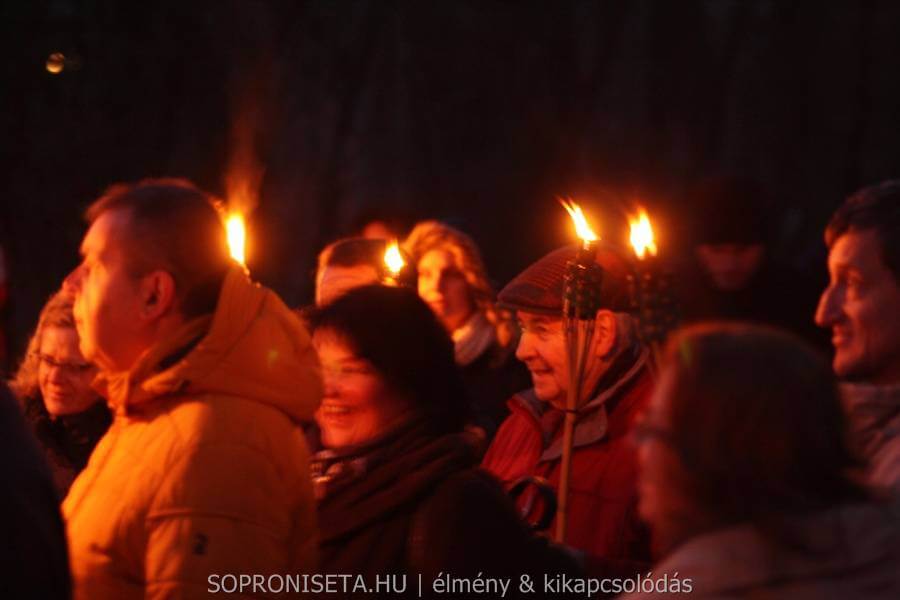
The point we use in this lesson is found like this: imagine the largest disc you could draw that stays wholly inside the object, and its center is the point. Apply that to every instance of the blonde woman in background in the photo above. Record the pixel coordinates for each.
(53, 385)
(452, 280)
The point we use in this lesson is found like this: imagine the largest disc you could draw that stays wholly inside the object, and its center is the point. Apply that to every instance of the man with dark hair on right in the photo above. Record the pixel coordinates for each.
(204, 471)
(861, 307)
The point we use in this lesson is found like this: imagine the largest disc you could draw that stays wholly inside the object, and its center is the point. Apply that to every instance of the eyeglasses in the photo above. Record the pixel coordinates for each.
(73, 368)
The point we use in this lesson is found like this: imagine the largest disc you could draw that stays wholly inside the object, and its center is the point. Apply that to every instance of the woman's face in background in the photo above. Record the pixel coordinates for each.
(443, 286)
(64, 376)
(357, 404)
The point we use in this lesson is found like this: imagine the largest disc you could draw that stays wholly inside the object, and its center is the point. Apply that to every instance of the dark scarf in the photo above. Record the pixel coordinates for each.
(68, 439)
(361, 485)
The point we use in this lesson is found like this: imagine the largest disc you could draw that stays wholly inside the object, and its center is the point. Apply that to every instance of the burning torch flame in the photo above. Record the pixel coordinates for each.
(393, 260)
(582, 228)
(237, 237)
(642, 236)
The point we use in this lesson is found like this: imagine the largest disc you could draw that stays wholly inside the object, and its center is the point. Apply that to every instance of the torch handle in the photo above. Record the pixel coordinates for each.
(562, 499)
(579, 335)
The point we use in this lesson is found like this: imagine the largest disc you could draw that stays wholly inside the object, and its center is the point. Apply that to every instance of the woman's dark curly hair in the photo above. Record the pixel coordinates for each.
(400, 336)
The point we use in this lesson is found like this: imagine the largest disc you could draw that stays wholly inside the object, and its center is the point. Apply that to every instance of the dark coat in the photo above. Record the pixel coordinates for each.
(68, 440)
(417, 504)
(489, 381)
(33, 557)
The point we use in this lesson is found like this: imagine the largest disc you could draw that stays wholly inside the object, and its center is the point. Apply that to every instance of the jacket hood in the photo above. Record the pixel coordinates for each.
(253, 347)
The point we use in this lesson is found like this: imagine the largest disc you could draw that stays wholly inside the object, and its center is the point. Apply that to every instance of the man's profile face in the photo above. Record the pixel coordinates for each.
(861, 306)
(107, 302)
(542, 348)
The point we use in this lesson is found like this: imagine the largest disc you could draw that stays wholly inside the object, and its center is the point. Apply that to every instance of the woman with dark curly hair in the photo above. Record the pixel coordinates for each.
(398, 486)
(53, 384)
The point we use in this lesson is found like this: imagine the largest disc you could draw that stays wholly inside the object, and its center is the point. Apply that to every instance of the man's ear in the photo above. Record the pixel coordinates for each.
(605, 333)
(157, 293)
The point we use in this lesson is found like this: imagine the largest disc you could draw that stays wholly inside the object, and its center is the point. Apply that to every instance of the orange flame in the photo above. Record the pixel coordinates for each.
(393, 260)
(582, 228)
(642, 239)
(237, 237)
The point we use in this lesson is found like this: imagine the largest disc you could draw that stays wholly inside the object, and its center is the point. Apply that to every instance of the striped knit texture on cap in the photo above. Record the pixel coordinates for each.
(539, 288)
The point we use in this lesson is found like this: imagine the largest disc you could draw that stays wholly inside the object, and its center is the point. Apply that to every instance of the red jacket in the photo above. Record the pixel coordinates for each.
(603, 520)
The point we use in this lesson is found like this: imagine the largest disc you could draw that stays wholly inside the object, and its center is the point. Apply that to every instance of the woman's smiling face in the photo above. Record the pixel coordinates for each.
(357, 404)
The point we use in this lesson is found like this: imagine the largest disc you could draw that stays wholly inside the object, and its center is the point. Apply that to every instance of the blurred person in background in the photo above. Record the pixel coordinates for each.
(453, 281)
(603, 521)
(204, 469)
(731, 272)
(378, 223)
(53, 385)
(747, 479)
(861, 308)
(346, 264)
(397, 484)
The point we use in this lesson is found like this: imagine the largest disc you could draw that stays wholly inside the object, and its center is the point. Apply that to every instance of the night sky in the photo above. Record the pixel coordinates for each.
(480, 113)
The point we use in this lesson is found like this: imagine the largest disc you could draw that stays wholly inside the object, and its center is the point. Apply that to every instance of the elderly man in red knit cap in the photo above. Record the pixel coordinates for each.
(603, 520)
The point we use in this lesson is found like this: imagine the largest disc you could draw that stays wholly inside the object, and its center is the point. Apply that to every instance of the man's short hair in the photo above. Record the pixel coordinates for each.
(176, 227)
(353, 252)
(877, 208)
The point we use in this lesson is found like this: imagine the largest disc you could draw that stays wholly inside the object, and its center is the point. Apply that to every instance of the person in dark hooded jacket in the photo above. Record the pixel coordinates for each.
(732, 272)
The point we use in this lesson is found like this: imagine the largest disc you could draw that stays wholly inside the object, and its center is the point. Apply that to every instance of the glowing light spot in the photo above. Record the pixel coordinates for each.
(56, 62)
(393, 260)
(237, 237)
(642, 239)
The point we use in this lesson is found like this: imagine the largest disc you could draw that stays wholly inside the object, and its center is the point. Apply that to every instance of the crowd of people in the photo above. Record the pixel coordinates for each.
(183, 432)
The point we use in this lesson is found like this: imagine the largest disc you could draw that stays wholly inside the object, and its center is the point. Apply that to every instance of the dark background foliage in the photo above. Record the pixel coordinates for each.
(478, 112)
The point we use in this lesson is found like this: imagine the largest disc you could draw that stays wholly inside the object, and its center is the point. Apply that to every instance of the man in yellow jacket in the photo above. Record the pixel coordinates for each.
(204, 471)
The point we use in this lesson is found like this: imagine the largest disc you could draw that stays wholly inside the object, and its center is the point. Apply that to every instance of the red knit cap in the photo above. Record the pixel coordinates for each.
(539, 288)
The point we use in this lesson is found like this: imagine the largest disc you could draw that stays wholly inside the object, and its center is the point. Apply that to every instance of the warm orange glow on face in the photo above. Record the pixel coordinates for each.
(582, 228)
(393, 260)
(642, 236)
(237, 237)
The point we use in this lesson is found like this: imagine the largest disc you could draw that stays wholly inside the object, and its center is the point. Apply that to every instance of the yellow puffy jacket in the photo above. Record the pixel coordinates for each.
(204, 471)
